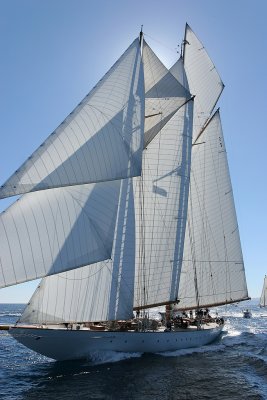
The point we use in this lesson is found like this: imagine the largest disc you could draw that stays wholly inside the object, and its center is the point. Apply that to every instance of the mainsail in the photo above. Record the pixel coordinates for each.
(213, 267)
(263, 298)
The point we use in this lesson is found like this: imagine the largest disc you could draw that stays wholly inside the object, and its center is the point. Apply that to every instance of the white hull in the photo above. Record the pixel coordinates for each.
(62, 344)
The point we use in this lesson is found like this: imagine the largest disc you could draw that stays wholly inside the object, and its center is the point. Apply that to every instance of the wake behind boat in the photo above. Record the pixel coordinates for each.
(139, 214)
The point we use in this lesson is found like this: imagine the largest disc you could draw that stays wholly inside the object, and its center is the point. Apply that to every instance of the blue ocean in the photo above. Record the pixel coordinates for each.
(234, 367)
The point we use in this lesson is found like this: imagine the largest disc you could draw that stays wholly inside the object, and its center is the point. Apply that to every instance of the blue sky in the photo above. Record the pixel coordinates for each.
(54, 51)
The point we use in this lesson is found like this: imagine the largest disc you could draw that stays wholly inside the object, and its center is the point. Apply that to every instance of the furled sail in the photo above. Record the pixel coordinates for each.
(51, 231)
(99, 292)
(213, 268)
(97, 140)
(161, 195)
(263, 298)
(164, 94)
(203, 79)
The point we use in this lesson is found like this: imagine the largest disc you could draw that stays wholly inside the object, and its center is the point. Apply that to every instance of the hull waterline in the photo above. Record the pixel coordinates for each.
(62, 344)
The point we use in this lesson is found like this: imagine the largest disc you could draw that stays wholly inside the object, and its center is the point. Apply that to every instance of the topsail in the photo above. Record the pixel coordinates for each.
(101, 140)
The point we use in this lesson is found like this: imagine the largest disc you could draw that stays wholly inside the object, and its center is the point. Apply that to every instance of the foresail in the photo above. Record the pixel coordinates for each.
(203, 79)
(48, 232)
(178, 72)
(263, 298)
(98, 141)
(164, 95)
(213, 268)
(99, 292)
(161, 206)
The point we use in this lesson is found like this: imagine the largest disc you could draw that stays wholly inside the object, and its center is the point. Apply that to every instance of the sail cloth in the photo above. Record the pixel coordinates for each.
(164, 94)
(109, 290)
(263, 298)
(161, 192)
(203, 79)
(161, 195)
(97, 140)
(50, 231)
(99, 292)
(213, 268)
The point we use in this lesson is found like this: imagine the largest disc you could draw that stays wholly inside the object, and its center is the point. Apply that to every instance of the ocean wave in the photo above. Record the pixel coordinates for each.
(9, 314)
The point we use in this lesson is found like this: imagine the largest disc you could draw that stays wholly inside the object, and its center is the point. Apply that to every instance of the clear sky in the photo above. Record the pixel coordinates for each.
(54, 51)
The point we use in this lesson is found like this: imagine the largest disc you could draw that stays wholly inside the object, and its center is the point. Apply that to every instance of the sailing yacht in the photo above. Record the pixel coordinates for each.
(127, 207)
(263, 298)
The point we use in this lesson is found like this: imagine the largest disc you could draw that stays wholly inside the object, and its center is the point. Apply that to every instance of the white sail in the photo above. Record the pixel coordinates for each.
(203, 79)
(161, 207)
(178, 71)
(106, 248)
(164, 95)
(213, 268)
(99, 292)
(76, 297)
(97, 140)
(263, 298)
(47, 232)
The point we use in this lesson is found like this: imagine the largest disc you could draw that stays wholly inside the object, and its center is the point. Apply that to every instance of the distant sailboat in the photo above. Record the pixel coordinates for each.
(127, 206)
(263, 298)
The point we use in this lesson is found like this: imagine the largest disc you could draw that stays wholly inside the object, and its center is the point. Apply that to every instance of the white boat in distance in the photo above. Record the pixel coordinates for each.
(263, 298)
(127, 206)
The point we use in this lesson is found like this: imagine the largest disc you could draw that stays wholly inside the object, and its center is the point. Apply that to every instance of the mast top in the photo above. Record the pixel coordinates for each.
(141, 35)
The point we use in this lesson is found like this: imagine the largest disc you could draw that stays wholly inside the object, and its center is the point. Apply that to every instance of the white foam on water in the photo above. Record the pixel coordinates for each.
(104, 357)
(192, 350)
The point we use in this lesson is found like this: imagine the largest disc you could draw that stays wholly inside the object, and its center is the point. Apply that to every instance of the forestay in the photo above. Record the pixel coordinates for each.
(97, 140)
(213, 268)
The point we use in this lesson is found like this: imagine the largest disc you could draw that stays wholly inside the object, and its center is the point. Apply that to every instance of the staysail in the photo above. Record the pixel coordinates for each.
(98, 292)
(97, 140)
(47, 232)
(213, 267)
(263, 298)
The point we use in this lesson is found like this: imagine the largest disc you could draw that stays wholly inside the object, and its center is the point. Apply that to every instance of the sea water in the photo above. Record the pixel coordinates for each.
(233, 367)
